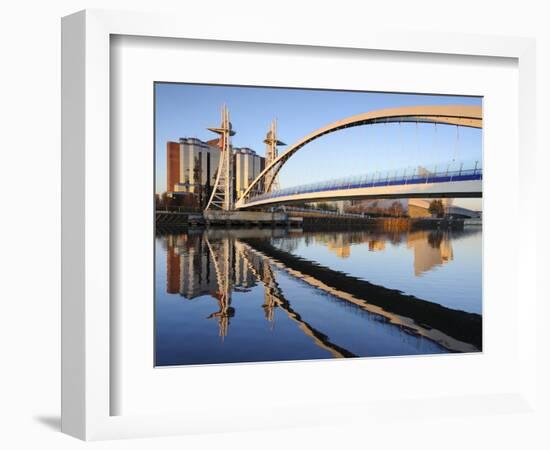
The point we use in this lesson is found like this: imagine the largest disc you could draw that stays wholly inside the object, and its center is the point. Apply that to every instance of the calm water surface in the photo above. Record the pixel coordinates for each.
(227, 296)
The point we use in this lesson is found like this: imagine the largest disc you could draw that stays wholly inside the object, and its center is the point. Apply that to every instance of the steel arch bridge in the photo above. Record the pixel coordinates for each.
(458, 115)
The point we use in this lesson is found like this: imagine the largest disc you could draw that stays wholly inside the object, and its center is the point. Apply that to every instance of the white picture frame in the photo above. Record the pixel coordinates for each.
(86, 221)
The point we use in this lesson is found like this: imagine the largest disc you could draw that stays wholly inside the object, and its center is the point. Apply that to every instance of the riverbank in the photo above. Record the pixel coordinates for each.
(179, 220)
(381, 224)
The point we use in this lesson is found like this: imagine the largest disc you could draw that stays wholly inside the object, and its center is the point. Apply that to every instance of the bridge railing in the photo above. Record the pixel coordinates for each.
(324, 211)
(459, 172)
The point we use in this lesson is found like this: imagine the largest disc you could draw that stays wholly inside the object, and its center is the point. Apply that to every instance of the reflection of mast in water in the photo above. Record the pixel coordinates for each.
(228, 253)
(222, 258)
(270, 302)
(261, 270)
(274, 298)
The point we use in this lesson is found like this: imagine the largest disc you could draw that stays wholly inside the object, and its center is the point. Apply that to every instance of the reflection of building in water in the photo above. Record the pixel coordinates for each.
(244, 278)
(446, 250)
(197, 275)
(376, 245)
(289, 244)
(215, 264)
(224, 263)
(173, 266)
(189, 268)
(341, 249)
(196, 267)
(339, 244)
(430, 248)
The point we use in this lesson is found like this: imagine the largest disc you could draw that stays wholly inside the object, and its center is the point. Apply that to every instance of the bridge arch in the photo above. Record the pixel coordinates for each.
(460, 115)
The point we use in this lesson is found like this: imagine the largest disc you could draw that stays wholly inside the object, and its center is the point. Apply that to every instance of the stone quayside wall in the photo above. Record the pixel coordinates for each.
(182, 220)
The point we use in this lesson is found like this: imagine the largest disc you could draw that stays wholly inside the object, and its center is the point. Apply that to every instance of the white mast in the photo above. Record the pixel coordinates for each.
(222, 191)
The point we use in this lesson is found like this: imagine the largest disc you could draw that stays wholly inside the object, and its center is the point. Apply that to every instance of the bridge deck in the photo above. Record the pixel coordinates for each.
(458, 183)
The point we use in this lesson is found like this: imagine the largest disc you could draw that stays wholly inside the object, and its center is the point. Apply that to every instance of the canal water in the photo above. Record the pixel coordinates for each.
(226, 296)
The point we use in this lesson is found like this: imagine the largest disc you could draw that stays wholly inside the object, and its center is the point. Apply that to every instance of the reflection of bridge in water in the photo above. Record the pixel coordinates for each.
(274, 297)
(220, 262)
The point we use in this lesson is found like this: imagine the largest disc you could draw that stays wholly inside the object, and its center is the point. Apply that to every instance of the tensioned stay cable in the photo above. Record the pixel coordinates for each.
(457, 140)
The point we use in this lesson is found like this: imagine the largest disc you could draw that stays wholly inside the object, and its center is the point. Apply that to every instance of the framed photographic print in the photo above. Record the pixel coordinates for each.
(317, 260)
(250, 221)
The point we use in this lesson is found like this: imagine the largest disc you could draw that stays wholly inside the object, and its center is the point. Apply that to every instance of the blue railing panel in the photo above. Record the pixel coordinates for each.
(461, 172)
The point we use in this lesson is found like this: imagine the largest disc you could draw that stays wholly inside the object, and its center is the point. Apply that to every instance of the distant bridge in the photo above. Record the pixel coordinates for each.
(451, 210)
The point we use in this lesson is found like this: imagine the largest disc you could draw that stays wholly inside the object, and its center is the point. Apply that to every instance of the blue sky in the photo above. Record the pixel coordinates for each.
(186, 110)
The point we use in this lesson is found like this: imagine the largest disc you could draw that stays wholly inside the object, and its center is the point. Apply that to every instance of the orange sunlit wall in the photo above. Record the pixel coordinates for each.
(172, 165)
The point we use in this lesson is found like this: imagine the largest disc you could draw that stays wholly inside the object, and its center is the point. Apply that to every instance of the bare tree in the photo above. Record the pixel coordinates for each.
(436, 208)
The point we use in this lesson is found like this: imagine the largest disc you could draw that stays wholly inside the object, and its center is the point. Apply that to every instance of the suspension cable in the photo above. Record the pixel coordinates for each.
(417, 145)
(402, 135)
(457, 140)
(434, 139)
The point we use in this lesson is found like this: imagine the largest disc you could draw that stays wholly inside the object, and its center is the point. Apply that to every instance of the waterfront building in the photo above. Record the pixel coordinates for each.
(393, 207)
(173, 156)
(198, 164)
(248, 165)
(420, 207)
(412, 207)
(342, 205)
(192, 166)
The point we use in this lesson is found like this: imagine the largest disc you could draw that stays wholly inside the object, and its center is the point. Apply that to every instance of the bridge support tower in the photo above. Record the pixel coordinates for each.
(222, 191)
(271, 153)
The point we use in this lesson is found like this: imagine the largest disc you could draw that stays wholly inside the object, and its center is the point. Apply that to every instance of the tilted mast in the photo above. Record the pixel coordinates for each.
(222, 191)
(271, 153)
